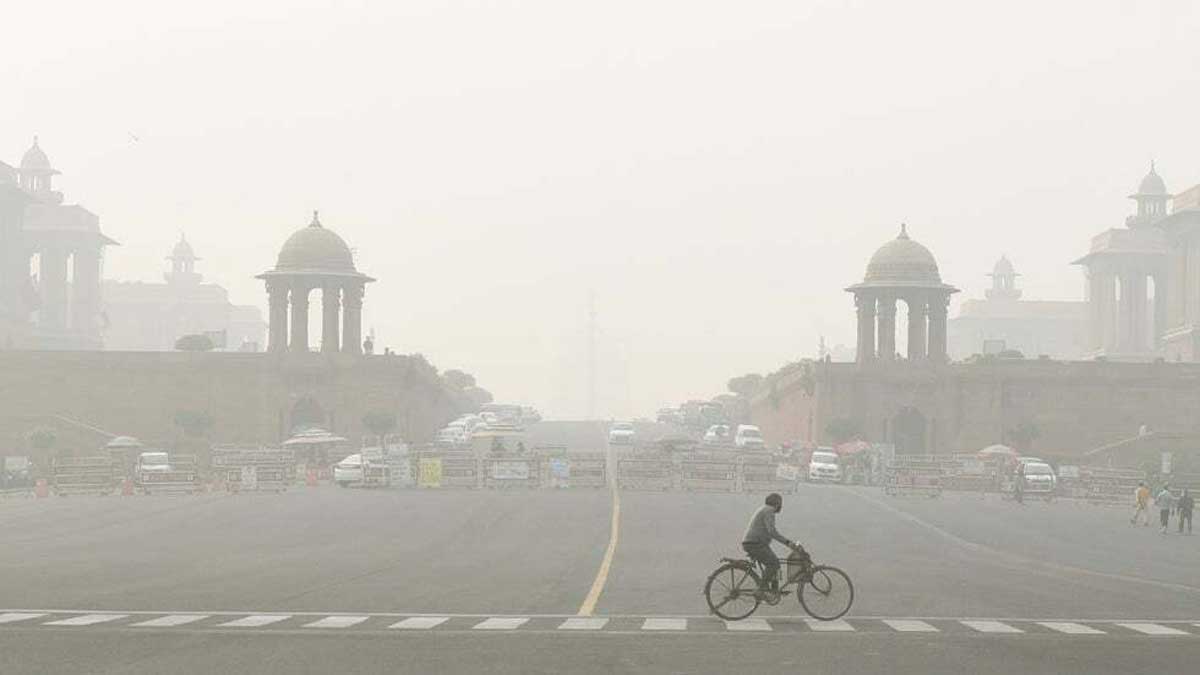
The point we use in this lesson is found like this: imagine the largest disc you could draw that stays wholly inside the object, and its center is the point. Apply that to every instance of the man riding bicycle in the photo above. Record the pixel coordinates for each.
(757, 543)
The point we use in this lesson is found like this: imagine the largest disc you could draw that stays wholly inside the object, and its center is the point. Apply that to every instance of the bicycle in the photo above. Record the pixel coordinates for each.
(733, 590)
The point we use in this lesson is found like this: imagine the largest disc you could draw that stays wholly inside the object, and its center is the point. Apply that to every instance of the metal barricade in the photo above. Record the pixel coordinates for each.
(764, 474)
(708, 475)
(86, 475)
(511, 472)
(1102, 485)
(914, 476)
(645, 474)
(249, 470)
(180, 476)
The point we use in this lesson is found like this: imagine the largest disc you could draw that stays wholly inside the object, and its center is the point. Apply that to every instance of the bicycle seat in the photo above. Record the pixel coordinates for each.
(737, 561)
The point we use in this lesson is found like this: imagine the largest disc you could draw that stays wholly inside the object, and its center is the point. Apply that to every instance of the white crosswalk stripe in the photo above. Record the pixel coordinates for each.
(664, 624)
(337, 622)
(1071, 628)
(13, 617)
(910, 626)
(584, 623)
(256, 620)
(183, 621)
(420, 622)
(86, 620)
(171, 620)
(828, 626)
(500, 623)
(991, 627)
(748, 625)
(1153, 629)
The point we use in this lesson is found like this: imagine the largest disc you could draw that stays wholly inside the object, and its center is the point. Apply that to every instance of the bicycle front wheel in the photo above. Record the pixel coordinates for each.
(827, 593)
(732, 592)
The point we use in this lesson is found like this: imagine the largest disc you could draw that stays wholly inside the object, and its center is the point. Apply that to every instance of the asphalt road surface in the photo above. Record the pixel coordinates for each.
(328, 580)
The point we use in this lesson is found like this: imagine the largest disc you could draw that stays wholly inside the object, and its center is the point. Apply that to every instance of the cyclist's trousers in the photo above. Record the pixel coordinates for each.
(762, 553)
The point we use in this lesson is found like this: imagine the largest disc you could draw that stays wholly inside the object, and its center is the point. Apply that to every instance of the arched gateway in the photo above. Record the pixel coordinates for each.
(313, 258)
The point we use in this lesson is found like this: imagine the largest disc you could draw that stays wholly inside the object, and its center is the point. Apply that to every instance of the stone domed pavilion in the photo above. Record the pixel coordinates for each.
(315, 257)
(902, 269)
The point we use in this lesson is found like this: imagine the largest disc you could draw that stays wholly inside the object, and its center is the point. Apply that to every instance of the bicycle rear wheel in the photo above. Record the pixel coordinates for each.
(827, 593)
(732, 592)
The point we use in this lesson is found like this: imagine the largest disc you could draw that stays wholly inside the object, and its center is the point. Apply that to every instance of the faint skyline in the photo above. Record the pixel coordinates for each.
(716, 172)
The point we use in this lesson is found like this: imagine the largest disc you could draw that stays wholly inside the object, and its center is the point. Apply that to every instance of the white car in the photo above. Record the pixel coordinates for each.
(621, 433)
(717, 434)
(823, 467)
(748, 436)
(349, 470)
(1039, 478)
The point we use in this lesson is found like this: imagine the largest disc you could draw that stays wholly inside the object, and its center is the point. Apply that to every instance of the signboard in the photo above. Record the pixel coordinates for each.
(510, 470)
(560, 468)
(787, 472)
(249, 478)
(431, 472)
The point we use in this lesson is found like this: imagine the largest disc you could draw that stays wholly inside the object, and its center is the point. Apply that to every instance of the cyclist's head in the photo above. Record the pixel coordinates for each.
(775, 500)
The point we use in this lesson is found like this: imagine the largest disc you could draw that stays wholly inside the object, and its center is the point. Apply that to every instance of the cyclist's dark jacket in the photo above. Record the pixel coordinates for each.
(761, 529)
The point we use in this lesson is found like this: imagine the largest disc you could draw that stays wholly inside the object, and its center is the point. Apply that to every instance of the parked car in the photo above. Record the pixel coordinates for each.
(152, 462)
(749, 437)
(621, 433)
(1039, 478)
(824, 467)
(349, 470)
(717, 434)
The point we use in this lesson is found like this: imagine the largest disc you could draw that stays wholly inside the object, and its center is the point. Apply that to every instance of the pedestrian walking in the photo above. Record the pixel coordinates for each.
(1184, 508)
(1141, 504)
(1165, 501)
(1019, 484)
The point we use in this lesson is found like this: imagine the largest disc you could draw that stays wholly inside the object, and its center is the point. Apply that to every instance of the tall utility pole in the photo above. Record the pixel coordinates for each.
(591, 355)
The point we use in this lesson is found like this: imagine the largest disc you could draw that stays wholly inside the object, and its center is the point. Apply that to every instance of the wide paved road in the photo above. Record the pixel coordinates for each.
(325, 580)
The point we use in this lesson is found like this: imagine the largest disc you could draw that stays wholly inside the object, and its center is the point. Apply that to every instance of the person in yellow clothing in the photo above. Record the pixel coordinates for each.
(1141, 500)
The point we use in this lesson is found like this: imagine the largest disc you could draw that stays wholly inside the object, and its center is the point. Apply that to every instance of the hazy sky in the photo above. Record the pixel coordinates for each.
(715, 173)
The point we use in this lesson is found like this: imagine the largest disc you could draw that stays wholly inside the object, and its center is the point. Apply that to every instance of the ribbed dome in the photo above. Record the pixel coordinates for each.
(1152, 184)
(315, 249)
(35, 159)
(1003, 267)
(902, 262)
(183, 250)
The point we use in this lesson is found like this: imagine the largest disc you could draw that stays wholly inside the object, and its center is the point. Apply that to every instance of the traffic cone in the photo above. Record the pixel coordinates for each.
(41, 488)
(127, 487)
(310, 478)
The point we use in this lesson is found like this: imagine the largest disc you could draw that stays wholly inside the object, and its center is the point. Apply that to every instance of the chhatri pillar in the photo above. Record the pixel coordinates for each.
(331, 302)
(887, 328)
(277, 328)
(865, 303)
(352, 318)
(918, 315)
(299, 339)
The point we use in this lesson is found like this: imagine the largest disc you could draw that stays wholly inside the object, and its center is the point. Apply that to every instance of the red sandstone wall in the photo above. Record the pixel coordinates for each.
(249, 396)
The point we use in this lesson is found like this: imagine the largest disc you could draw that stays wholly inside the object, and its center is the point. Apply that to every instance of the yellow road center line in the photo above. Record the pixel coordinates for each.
(593, 596)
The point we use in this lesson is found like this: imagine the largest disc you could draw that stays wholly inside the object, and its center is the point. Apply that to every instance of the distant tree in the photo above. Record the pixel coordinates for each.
(458, 380)
(1023, 435)
(478, 396)
(193, 423)
(42, 441)
(42, 438)
(380, 422)
(843, 429)
(745, 385)
(194, 343)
